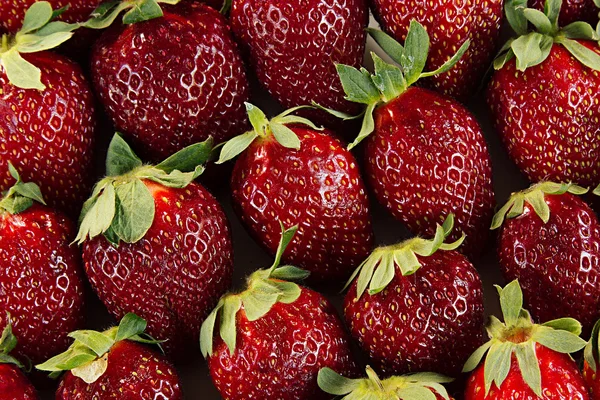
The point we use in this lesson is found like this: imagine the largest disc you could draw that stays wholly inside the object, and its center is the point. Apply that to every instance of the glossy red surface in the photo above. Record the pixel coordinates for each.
(592, 380)
(14, 385)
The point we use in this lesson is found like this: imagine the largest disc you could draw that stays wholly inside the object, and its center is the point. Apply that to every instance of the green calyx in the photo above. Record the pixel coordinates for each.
(264, 129)
(535, 197)
(137, 11)
(378, 270)
(8, 342)
(265, 288)
(531, 48)
(591, 353)
(87, 357)
(420, 386)
(122, 206)
(21, 195)
(39, 33)
(518, 336)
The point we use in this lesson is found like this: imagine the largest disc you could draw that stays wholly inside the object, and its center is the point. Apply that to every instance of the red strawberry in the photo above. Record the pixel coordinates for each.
(524, 360)
(544, 99)
(590, 363)
(274, 337)
(423, 310)
(41, 282)
(550, 242)
(13, 384)
(172, 81)
(294, 46)
(291, 171)
(112, 365)
(157, 244)
(450, 24)
(572, 10)
(426, 156)
(47, 121)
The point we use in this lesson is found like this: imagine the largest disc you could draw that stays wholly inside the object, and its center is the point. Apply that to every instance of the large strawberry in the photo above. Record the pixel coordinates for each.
(156, 243)
(173, 80)
(426, 156)
(550, 242)
(524, 360)
(46, 112)
(423, 310)
(114, 364)
(291, 171)
(13, 383)
(41, 279)
(274, 337)
(544, 97)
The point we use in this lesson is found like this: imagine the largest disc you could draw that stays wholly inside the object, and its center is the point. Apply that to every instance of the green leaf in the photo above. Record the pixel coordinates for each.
(514, 15)
(358, 86)
(285, 136)
(120, 158)
(135, 212)
(38, 15)
(503, 58)
(142, 11)
(552, 10)
(290, 291)
(286, 237)
(590, 353)
(56, 27)
(407, 261)
(259, 299)
(98, 342)
(207, 331)
(368, 126)
(42, 43)
(366, 273)
(106, 14)
(539, 20)
(416, 50)
(580, 30)
(476, 357)
(383, 275)
(416, 393)
(8, 341)
(536, 199)
(497, 364)
(130, 325)
(231, 306)
(258, 119)
(586, 56)
(175, 179)
(558, 340)
(565, 324)
(529, 366)
(388, 79)
(290, 273)
(187, 159)
(99, 215)
(388, 44)
(511, 302)
(21, 73)
(531, 49)
(451, 61)
(333, 383)
(75, 356)
(236, 146)
(338, 114)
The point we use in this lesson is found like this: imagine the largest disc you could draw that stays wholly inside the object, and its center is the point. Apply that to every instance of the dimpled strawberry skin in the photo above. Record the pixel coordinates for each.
(561, 379)
(592, 380)
(279, 355)
(548, 117)
(174, 276)
(430, 321)
(172, 81)
(48, 136)
(318, 188)
(41, 281)
(14, 385)
(557, 263)
(134, 372)
(449, 24)
(426, 159)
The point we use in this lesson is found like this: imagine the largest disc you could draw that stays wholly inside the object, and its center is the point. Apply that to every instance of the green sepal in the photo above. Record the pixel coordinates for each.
(21, 195)
(8, 342)
(591, 352)
(137, 11)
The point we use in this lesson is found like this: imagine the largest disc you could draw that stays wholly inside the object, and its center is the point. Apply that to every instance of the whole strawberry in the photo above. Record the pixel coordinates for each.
(590, 363)
(291, 171)
(525, 360)
(173, 80)
(41, 282)
(13, 383)
(156, 243)
(274, 337)
(426, 156)
(572, 10)
(114, 364)
(46, 112)
(544, 97)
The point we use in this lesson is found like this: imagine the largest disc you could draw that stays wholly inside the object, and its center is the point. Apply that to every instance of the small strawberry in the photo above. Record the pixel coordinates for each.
(590, 363)
(41, 279)
(114, 364)
(46, 112)
(571, 10)
(524, 360)
(156, 243)
(426, 156)
(293, 172)
(274, 337)
(550, 242)
(173, 80)
(544, 97)
(13, 383)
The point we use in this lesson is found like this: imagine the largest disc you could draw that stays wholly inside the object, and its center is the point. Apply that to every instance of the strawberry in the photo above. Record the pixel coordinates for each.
(294, 46)
(274, 337)
(41, 279)
(156, 243)
(114, 364)
(572, 10)
(426, 156)
(173, 80)
(524, 360)
(450, 24)
(590, 363)
(46, 112)
(424, 307)
(544, 95)
(550, 242)
(291, 171)
(13, 384)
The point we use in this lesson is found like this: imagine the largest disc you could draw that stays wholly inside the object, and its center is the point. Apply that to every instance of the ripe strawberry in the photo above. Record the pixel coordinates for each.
(41, 282)
(113, 364)
(157, 244)
(46, 112)
(290, 171)
(423, 310)
(550, 242)
(450, 24)
(572, 10)
(294, 46)
(426, 156)
(173, 80)
(524, 360)
(590, 363)
(544, 99)
(13, 384)
(274, 337)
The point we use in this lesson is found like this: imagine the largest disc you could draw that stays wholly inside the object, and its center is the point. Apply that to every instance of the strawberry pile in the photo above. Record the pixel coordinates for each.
(139, 152)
